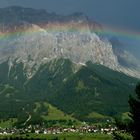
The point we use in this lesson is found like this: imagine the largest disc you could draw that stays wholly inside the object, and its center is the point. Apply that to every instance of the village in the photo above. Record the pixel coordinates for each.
(57, 130)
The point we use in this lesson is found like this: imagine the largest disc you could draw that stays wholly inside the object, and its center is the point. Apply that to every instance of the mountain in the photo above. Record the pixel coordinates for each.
(38, 36)
(125, 58)
(60, 61)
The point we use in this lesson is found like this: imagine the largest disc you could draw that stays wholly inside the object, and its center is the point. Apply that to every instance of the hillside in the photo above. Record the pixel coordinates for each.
(78, 91)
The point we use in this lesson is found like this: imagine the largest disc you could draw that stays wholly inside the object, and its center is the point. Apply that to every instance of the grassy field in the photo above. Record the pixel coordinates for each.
(55, 114)
(66, 136)
(8, 124)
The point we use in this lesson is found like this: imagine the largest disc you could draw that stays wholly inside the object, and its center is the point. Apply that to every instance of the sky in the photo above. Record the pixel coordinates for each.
(123, 14)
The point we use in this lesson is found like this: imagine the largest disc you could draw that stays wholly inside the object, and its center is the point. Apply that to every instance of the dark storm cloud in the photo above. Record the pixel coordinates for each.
(123, 13)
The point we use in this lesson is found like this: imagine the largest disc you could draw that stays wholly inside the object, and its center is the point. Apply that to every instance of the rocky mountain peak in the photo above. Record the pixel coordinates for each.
(35, 37)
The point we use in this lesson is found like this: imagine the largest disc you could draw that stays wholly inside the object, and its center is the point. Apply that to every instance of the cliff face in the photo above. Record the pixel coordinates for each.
(43, 37)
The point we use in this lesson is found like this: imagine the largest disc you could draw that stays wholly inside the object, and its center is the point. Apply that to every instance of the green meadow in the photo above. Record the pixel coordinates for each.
(64, 136)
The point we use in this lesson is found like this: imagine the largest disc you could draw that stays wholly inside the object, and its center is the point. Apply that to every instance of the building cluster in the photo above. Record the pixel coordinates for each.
(56, 130)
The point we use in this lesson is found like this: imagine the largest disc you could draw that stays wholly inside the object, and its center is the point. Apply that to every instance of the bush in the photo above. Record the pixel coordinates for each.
(118, 135)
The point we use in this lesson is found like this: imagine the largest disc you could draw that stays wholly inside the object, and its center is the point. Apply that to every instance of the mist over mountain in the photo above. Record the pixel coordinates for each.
(125, 57)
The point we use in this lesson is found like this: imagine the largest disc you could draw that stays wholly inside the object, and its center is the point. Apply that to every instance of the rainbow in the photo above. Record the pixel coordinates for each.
(114, 31)
(73, 27)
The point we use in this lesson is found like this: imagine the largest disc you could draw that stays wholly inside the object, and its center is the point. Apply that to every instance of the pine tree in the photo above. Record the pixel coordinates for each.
(135, 113)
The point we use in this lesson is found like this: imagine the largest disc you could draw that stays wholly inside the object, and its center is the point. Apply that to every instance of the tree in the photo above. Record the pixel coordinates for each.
(135, 113)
